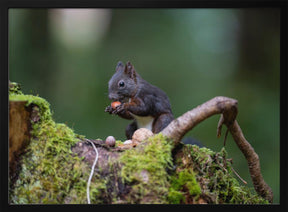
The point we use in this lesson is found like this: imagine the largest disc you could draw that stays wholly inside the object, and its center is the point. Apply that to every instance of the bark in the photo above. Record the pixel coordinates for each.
(19, 133)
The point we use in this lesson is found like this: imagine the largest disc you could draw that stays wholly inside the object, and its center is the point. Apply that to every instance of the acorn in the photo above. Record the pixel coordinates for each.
(110, 141)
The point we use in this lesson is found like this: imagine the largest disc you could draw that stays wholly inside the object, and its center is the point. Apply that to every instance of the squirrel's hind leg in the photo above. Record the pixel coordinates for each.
(130, 129)
(161, 122)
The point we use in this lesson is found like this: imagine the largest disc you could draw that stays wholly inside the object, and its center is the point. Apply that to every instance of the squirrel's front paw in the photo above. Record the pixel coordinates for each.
(109, 109)
(119, 109)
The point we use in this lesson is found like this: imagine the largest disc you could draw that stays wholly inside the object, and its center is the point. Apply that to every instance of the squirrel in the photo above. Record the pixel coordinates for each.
(146, 104)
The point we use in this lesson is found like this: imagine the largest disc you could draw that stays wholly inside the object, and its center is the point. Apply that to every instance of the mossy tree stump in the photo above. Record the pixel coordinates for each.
(55, 165)
(19, 132)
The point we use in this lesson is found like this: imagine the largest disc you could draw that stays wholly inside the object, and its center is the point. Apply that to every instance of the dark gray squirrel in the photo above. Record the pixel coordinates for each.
(147, 105)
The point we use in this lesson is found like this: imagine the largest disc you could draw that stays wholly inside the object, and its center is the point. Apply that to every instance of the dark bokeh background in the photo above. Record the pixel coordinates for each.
(67, 56)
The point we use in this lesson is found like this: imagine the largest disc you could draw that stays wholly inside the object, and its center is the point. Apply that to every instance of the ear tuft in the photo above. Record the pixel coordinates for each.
(129, 70)
(129, 67)
(119, 66)
(129, 63)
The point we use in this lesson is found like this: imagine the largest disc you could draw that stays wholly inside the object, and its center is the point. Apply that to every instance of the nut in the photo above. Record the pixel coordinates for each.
(110, 141)
(127, 142)
(115, 104)
(141, 134)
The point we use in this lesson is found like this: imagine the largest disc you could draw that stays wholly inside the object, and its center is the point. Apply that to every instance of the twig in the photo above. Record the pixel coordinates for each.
(225, 137)
(238, 175)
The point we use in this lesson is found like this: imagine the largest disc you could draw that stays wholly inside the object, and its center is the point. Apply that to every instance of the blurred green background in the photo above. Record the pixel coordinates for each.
(67, 56)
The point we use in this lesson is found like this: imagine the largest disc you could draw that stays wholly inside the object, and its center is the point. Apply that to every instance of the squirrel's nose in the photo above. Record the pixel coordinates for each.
(113, 97)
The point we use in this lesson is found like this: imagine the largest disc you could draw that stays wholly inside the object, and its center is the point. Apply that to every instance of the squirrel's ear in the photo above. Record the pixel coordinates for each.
(119, 66)
(129, 70)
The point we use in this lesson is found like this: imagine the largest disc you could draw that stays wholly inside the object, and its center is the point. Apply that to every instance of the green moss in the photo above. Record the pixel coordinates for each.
(187, 179)
(117, 142)
(220, 183)
(51, 172)
(144, 168)
(181, 183)
(14, 88)
(44, 106)
(175, 197)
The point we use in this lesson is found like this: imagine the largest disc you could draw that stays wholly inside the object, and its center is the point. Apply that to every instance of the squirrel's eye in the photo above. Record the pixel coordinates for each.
(121, 84)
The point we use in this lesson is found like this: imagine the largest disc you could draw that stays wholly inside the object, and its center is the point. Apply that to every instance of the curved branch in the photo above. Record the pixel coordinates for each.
(227, 107)
(252, 158)
(180, 126)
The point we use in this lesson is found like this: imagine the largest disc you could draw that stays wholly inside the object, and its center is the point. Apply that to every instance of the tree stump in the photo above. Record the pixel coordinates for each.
(19, 132)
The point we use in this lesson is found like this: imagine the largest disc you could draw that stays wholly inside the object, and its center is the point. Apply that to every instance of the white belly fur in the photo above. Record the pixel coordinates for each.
(144, 121)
